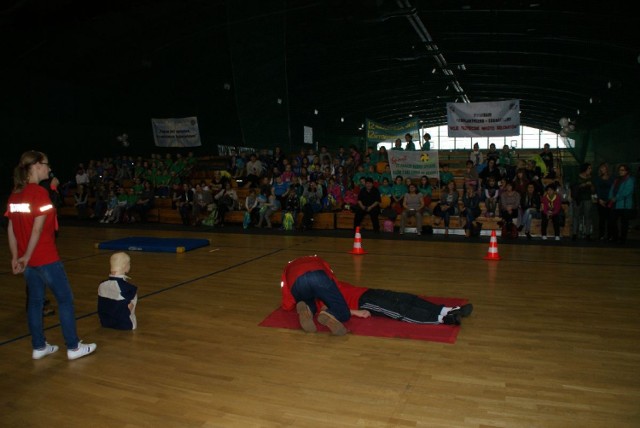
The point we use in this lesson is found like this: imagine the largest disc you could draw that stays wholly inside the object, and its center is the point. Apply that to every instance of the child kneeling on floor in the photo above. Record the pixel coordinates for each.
(117, 298)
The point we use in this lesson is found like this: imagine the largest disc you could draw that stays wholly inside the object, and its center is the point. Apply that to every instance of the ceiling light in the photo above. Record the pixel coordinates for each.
(279, 101)
(447, 88)
(590, 100)
(410, 114)
(342, 119)
(315, 112)
(433, 71)
(578, 111)
(609, 85)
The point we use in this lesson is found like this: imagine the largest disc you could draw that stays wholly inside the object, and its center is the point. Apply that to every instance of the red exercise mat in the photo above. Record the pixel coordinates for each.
(379, 326)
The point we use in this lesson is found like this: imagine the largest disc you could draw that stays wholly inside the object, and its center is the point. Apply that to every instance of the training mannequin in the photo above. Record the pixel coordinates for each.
(117, 298)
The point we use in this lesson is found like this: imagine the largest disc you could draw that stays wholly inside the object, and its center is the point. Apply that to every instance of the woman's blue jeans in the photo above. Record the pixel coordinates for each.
(54, 277)
(318, 285)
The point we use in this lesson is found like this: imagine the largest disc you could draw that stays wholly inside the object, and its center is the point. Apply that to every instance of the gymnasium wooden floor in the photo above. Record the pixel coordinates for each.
(553, 341)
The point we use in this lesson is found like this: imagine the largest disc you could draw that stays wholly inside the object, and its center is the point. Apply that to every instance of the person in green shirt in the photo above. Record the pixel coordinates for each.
(445, 175)
(426, 145)
(398, 190)
(373, 174)
(360, 173)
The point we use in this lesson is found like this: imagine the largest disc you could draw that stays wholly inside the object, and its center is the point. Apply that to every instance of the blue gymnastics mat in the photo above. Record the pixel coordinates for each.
(158, 245)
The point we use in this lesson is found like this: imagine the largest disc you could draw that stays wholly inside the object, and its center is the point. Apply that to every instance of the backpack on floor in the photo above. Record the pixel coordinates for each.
(476, 229)
(288, 223)
(212, 218)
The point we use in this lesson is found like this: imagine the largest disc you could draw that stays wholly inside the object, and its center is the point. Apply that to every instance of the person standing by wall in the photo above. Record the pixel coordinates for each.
(581, 193)
(621, 202)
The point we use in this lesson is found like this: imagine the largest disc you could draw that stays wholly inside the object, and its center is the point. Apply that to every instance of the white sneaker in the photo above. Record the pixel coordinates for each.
(544, 238)
(83, 349)
(557, 238)
(41, 353)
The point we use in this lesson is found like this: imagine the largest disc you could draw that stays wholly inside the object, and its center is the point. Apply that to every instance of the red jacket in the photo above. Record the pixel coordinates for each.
(296, 268)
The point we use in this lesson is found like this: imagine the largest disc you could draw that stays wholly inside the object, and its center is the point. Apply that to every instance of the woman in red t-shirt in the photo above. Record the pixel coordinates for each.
(33, 252)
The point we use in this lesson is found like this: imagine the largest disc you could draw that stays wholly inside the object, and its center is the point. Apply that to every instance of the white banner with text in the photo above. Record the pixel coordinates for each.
(414, 164)
(176, 132)
(488, 119)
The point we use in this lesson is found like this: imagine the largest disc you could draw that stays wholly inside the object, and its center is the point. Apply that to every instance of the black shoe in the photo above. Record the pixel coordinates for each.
(452, 319)
(574, 237)
(463, 311)
(528, 235)
(520, 228)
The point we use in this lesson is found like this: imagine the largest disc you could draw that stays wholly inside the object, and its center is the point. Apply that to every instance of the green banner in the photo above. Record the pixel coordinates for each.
(378, 132)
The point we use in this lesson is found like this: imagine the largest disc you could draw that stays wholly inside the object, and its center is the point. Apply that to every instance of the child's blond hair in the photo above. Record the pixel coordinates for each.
(120, 263)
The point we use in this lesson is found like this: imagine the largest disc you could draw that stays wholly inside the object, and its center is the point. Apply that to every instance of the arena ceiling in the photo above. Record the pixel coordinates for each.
(387, 60)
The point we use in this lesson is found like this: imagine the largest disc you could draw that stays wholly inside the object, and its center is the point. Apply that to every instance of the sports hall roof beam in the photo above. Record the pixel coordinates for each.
(426, 38)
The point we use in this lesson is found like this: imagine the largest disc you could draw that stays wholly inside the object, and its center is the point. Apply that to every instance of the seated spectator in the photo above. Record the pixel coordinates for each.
(368, 204)
(490, 195)
(112, 203)
(335, 194)
(217, 182)
(547, 158)
(447, 207)
(312, 197)
(476, 156)
(470, 176)
(529, 209)
(225, 200)
(254, 171)
(425, 189)
(509, 204)
(144, 203)
(176, 195)
(398, 190)
(506, 163)
(492, 154)
(267, 205)
(117, 298)
(291, 205)
(491, 171)
(446, 176)
(288, 175)
(471, 210)
(413, 204)
(520, 183)
(251, 207)
(279, 187)
(373, 173)
(185, 205)
(202, 198)
(81, 198)
(551, 207)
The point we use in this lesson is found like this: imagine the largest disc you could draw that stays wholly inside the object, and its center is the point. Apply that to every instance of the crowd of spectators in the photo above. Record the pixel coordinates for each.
(492, 184)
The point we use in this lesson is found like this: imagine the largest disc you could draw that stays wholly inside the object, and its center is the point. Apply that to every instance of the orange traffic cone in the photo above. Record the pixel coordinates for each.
(357, 244)
(492, 254)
